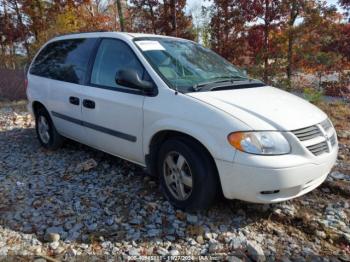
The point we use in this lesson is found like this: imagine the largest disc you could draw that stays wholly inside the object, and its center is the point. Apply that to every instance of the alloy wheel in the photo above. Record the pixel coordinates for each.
(43, 129)
(178, 175)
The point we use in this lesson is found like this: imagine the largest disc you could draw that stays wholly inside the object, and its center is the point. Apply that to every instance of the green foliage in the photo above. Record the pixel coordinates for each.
(313, 95)
(283, 83)
(205, 30)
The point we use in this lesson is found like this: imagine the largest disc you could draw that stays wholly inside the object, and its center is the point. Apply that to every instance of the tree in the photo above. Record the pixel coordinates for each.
(173, 20)
(201, 23)
(23, 33)
(293, 9)
(266, 15)
(346, 5)
(340, 45)
(319, 29)
(121, 16)
(269, 12)
(13, 34)
(227, 29)
(167, 17)
(145, 14)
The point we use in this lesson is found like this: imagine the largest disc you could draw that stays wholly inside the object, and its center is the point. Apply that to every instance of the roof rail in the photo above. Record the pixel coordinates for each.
(97, 31)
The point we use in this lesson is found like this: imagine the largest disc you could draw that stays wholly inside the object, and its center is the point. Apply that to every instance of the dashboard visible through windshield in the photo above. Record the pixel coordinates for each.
(187, 66)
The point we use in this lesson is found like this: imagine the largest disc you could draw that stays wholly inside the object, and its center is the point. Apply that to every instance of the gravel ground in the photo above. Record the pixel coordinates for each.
(78, 202)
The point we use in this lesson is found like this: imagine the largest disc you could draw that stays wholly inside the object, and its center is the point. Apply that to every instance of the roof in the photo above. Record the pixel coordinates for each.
(107, 34)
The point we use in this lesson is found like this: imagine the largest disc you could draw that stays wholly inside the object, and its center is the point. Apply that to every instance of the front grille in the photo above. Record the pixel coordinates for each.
(323, 134)
(319, 148)
(307, 133)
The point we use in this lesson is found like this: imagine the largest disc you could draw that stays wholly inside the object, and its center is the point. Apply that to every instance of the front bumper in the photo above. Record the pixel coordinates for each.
(274, 182)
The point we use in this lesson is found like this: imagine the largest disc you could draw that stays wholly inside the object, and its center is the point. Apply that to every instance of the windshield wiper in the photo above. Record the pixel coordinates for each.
(221, 79)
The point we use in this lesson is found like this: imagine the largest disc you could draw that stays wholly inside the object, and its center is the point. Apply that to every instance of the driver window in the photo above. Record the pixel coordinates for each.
(113, 55)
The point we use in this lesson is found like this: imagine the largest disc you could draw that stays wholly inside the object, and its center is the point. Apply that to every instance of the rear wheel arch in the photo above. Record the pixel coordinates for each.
(36, 105)
(55, 139)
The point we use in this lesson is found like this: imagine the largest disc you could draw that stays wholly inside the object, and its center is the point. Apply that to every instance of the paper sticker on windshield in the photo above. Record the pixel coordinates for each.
(148, 45)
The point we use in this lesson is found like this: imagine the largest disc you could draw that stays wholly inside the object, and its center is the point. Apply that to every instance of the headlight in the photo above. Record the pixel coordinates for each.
(260, 143)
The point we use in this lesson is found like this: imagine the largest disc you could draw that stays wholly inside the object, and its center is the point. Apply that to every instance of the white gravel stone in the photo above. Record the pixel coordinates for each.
(192, 219)
(106, 209)
(255, 251)
(234, 259)
(337, 175)
(174, 252)
(214, 246)
(54, 245)
(52, 237)
(162, 251)
(134, 252)
(321, 234)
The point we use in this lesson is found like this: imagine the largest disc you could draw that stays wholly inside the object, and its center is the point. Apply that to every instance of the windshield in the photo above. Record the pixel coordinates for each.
(184, 64)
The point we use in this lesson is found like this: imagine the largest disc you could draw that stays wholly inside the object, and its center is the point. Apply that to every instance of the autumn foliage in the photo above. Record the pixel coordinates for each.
(277, 39)
(273, 39)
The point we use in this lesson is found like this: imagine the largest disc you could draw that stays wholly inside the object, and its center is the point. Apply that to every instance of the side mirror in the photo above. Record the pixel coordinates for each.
(130, 78)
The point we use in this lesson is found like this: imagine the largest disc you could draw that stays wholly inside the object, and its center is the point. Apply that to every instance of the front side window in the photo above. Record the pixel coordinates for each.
(112, 56)
(65, 60)
(185, 64)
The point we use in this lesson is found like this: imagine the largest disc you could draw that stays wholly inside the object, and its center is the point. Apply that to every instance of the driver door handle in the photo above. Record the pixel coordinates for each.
(74, 100)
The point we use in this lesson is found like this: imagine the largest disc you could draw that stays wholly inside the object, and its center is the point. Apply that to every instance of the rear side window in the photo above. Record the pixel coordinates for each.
(65, 60)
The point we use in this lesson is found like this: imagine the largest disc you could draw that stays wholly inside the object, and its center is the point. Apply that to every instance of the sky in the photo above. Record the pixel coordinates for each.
(193, 7)
(192, 3)
(333, 2)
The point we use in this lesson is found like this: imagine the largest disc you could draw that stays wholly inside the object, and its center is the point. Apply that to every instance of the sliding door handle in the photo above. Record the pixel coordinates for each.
(74, 100)
(88, 103)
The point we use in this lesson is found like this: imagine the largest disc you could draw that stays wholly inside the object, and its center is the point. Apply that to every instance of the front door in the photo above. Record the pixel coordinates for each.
(113, 114)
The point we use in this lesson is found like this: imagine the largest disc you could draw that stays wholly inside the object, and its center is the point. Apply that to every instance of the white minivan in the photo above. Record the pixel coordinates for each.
(193, 119)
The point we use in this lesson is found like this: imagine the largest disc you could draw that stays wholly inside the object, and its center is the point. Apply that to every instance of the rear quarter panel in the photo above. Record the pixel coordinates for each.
(37, 90)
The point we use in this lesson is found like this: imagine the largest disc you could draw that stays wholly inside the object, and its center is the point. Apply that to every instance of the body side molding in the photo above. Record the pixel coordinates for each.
(102, 129)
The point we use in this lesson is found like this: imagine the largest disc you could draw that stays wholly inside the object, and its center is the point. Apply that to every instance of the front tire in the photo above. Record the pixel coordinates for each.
(188, 176)
(46, 131)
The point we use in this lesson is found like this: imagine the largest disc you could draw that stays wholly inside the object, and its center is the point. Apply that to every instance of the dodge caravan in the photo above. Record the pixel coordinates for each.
(186, 114)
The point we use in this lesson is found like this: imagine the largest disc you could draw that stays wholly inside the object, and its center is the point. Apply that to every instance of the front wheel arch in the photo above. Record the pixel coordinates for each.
(159, 138)
(205, 183)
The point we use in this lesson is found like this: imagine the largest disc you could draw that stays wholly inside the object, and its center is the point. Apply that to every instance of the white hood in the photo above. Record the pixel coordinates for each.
(264, 108)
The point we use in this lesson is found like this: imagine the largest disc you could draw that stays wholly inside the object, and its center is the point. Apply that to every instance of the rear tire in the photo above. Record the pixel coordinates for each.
(188, 176)
(46, 131)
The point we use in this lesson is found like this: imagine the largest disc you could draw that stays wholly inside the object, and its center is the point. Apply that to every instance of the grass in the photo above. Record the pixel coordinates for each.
(312, 95)
(338, 112)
